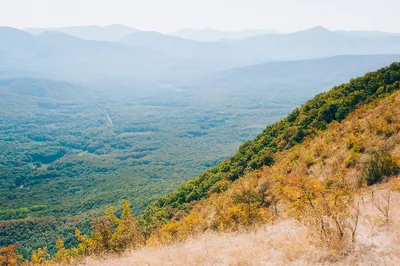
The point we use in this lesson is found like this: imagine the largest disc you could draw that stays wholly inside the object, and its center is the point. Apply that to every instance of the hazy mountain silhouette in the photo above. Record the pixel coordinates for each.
(212, 35)
(318, 42)
(95, 33)
(184, 48)
(368, 33)
(193, 57)
(46, 88)
(62, 56)
(151, 55)
(310, 75)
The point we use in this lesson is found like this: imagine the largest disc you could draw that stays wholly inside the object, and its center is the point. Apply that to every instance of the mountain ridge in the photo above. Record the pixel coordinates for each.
(95, 33)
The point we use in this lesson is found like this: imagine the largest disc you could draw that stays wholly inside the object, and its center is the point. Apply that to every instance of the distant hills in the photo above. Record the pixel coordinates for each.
(212, 35)
(143, 56)
(95, 33)
(140, 55)
(117, 31)
(318, 42)
(207, 54)
(34, 87)
(362, 33)
(322, 73)
(61, 56)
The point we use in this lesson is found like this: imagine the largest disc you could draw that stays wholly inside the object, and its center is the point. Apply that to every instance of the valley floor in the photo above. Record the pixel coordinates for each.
(286, 242)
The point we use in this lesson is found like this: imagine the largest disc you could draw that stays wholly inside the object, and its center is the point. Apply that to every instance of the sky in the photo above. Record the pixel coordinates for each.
(171, 15)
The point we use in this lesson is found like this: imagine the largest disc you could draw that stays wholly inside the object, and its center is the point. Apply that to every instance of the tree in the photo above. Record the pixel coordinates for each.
(9, 256)
(102, 231)
(40, 256)
(127, 233)
(63, 254)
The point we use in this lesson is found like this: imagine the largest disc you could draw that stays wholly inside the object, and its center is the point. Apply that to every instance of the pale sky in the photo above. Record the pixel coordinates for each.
(170, 15)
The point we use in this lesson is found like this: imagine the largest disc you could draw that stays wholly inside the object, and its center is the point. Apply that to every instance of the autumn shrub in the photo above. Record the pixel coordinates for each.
(246, 205)
(327, 208)
(63, 255)
(381, 164)
(352, 159)
(40, 257)
(175, 231)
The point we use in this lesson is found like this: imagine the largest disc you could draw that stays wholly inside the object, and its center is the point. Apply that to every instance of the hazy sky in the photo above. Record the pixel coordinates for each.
(169, 15)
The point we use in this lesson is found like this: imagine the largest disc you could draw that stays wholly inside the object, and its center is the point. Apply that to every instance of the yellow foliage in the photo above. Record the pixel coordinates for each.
(40, 257)
(109, 234)
(62, 254)
(171, 232)
(326, 207)
(395, 183)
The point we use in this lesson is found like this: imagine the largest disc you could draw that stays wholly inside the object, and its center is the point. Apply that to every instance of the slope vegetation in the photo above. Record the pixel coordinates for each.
(322, 181)
(314, 116)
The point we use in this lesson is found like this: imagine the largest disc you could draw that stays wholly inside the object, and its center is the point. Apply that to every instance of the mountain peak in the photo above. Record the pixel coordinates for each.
(319, 29)
(120, 26)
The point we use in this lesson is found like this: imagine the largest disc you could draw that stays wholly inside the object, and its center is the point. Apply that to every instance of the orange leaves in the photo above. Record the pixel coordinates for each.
(9, 256)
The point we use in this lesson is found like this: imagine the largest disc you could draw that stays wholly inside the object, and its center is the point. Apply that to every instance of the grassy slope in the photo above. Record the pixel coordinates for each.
(315, 115)
(337, 152)
(341, 152)
(283, 243)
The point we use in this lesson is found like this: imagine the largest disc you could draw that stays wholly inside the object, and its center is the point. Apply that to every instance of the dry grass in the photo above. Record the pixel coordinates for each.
(284, 243)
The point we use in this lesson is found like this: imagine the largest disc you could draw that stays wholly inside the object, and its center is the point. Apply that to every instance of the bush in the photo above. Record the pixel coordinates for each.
(327, 208)
(381, 164)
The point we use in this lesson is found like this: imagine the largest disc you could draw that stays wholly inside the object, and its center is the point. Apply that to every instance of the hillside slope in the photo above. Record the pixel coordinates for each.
(344, 155)
(282, 243)
(304, 122)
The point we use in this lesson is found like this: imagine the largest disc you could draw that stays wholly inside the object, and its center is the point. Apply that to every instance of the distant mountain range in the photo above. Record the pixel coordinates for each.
(94, 33)
(291, 76)
(61, 56)
(150, 56)
(34, 87)
(206, 54)
(212, 35)
(117, 31)
(318, 42)
(368, 33)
